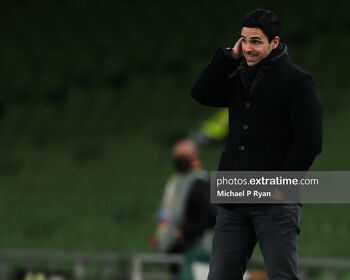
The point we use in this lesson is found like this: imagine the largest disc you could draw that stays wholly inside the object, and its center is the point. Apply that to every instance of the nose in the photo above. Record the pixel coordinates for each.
(247, 48)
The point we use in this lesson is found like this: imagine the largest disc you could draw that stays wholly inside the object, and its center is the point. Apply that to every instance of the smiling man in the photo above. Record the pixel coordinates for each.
(275, 124)
(255, 45)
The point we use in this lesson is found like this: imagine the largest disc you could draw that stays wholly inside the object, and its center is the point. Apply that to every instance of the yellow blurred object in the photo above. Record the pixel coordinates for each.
(34, 276)
(216, 127)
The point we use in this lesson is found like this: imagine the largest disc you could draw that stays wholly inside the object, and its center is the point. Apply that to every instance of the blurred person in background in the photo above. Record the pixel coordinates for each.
(186, 217)
(275, 124)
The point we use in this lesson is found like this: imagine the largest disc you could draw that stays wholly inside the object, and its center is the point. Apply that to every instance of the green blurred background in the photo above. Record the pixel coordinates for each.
(94, 92)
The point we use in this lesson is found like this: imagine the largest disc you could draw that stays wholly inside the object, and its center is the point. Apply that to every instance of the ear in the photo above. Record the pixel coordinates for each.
(275, 42)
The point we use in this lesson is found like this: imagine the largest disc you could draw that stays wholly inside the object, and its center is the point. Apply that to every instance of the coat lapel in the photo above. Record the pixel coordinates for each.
(264, 78)
(268, 74)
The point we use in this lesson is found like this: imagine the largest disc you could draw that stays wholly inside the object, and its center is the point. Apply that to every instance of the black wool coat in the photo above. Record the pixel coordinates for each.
(277, 124)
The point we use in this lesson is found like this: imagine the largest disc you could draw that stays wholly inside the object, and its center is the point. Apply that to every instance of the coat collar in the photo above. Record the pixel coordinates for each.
(272, 68)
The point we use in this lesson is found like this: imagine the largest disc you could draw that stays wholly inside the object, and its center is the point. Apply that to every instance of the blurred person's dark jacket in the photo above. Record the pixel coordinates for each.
(200, 215)
(186, 206)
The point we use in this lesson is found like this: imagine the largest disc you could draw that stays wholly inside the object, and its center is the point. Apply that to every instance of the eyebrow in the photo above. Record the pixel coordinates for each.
(252, 38)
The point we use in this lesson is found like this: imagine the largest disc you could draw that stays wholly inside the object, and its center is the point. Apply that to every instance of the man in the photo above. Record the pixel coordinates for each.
(275, 123)
(186, 212)
(186, 217)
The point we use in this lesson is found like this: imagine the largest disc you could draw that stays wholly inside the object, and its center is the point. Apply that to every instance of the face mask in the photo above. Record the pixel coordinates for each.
(182, 164)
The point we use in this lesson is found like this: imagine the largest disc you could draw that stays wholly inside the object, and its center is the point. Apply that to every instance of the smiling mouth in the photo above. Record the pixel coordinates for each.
(250, 57)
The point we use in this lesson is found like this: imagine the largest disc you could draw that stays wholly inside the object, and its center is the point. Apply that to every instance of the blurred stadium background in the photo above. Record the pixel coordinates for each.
(94, 92)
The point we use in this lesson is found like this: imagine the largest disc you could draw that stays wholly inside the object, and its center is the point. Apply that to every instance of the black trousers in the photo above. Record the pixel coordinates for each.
(274, 226)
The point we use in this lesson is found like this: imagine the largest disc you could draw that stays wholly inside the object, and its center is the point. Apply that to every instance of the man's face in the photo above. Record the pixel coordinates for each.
(255, 45)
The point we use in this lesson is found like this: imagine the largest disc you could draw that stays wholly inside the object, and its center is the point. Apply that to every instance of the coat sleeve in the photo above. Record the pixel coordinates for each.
(212, 86)
(306, 119)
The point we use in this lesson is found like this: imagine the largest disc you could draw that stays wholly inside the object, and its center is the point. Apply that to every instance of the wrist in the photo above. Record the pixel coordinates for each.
(229, 53)
(234, 55)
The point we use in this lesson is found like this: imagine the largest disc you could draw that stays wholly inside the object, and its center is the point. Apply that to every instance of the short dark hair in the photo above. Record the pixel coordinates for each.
(266, 20)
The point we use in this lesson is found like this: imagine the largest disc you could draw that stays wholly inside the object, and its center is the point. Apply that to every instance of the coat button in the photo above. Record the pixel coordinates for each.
(245, 126)
(241, 148)
(248, 104)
